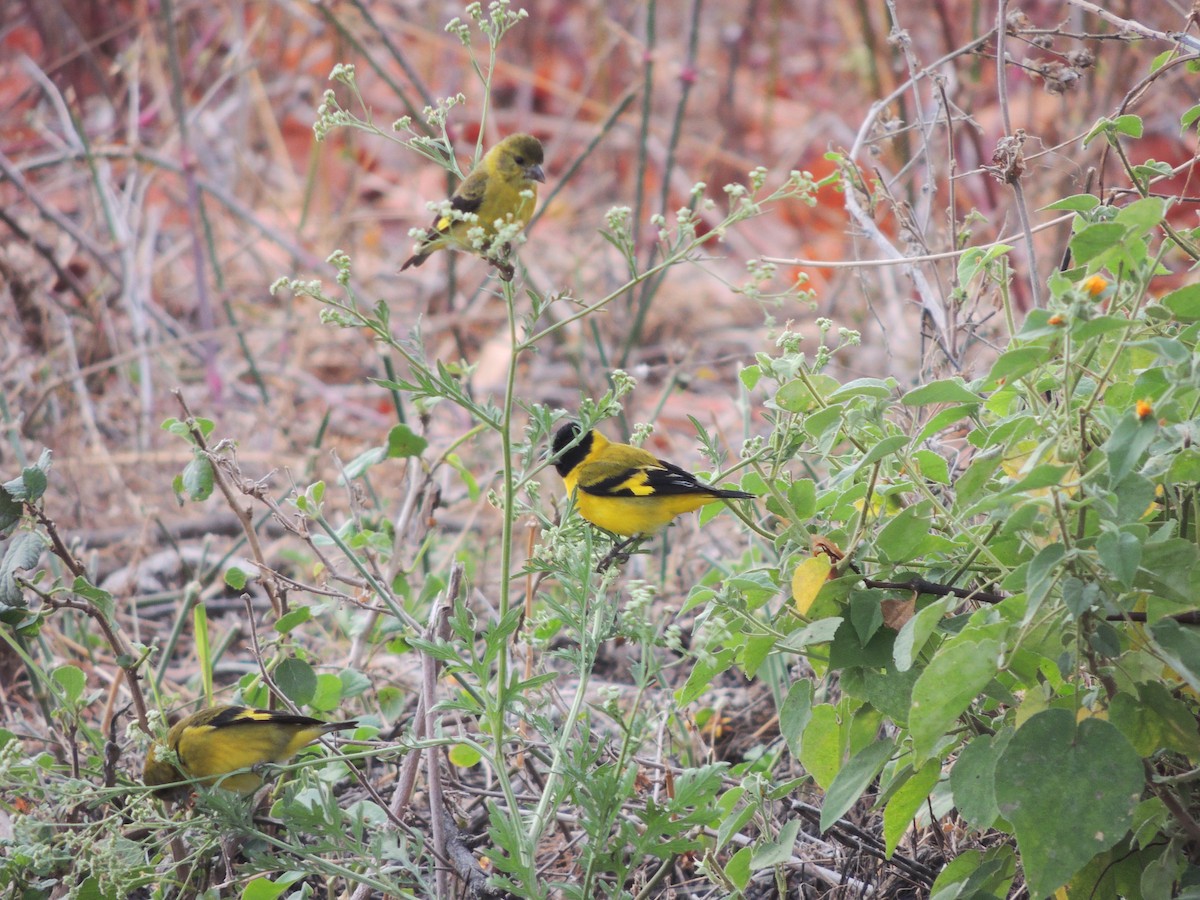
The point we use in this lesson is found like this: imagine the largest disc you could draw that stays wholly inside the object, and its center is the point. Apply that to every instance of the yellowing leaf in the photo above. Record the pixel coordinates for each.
(463, 756)
(807, 581)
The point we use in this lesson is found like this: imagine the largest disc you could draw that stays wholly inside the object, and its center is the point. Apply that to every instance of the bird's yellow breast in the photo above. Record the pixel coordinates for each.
(628, 516)
(209, 752)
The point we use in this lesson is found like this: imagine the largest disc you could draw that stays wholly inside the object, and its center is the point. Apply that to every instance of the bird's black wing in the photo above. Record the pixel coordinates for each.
(236, 716)
(469, 196)
(671, 479)
(646, 481)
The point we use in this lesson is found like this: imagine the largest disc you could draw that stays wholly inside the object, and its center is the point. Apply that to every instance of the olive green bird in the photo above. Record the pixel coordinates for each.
(494, 192)
(213, 742)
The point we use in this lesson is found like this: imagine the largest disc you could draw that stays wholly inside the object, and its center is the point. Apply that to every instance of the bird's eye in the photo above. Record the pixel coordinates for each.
(520, 160)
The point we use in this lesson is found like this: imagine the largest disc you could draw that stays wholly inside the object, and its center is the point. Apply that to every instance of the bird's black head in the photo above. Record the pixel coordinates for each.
(565, 462)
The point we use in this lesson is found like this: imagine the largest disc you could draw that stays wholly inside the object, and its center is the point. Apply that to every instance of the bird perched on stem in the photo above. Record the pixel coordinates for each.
(500, 190)
(219, 740)
(625, 489)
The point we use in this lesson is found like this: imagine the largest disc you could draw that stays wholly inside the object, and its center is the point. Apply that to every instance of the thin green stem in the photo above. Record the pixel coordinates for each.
(500, 695)
(639, 203)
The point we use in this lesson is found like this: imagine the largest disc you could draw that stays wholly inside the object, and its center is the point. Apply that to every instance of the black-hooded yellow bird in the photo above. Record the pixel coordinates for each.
(493, 192)
(625, 489)
(223, 739)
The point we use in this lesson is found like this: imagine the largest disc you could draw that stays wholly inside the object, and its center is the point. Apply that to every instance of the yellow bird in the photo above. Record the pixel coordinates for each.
(223, 739)
(625, 489)
(493, 193)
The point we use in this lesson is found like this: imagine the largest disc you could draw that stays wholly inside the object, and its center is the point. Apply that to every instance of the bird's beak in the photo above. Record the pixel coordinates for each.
(535, 173)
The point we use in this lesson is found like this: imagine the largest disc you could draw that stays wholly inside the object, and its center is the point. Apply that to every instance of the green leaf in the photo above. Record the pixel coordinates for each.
(1155, 720)
(1167, 568)
(1185, 468)
(463, 755)
(196, 481)
(947, 390)
(1093, 240)
(732, 815)
(932, 466)
(885, 447)
(866, 616)
(802, 494)
(1044, 569)
(797, 397)
(1086, 329)
(795, 713)
(1076, 202)
(944, 419)
(737, 870)
(976, 258)
(1134, 495)
(978, 474)
(21, 554)
(849, 649)
(1188, 118)
(1142, 215)
(1079, 596)
(778, 851)
(469, 481)
(33, 482)
(820, 750)
(973, 778)
(297, 680)
(392, 701)
(72, 681)
(1128, 442)
(706, 669)
(1180, 647)
(372, 456)
(899, 539)
(328, 695)
(235, 578)
(1012, 364)
(1070, 792)
(887, 690)
(951, 681)
(916, 631)
(402, 442)
(754, 653)
(30, 485)
(1129, 125)
(1184, 303)
(293, 618)
(905, 803)
(1120, 553)
(854, 778)
(822, 631)
(11, 511)
(878, 388)
(977, 876)
(89, 889)
(270, 889)
(1041, 476)
(354, 683)
(101, 599)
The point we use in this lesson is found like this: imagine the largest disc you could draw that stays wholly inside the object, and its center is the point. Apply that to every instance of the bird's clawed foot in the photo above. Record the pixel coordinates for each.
(620, 553)
(502, 264)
